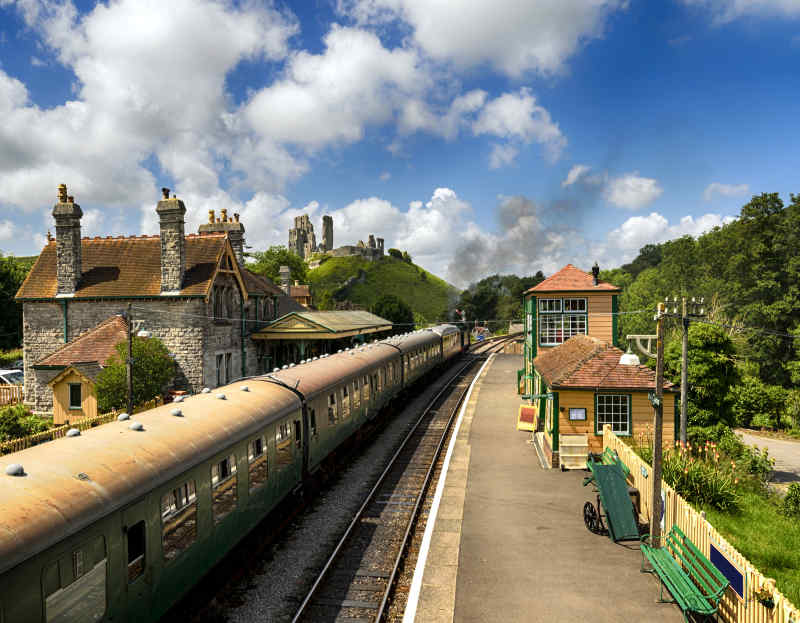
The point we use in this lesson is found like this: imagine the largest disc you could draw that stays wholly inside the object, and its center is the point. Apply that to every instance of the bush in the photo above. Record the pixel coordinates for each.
(750, 461)
(790, 506)
(397, 253)
(16, 421)
(756, 404)
(153, 370)
(8, 357)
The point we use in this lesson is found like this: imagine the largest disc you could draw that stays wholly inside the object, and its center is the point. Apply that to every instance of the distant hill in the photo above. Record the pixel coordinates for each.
(363, 282)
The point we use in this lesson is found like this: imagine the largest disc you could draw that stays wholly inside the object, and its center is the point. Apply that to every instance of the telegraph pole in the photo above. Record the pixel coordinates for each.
(130, 361)
(684, 369)
(658, 421)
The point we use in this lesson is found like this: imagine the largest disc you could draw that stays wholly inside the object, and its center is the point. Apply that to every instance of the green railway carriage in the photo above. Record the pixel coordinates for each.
(116, 524)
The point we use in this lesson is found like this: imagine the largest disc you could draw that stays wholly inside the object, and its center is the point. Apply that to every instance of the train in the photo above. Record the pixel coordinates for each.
(118, 522)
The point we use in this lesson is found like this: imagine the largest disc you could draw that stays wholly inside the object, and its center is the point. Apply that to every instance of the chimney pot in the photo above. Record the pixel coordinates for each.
(62, 193)
(211, 216)
(70, 199)
(165, 193)
(595, 273)
(235, 217)
(224, 213)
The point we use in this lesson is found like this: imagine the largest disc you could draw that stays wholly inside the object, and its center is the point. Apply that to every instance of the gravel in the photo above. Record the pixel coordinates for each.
(291, 565)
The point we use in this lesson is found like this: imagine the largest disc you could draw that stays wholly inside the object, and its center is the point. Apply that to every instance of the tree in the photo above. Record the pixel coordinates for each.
(269, 262)
(649, 257)
(396, 253)
(756, 404)
(712, 373)
(12, 274)
(394, 309)
(406, 257)
(153, 371)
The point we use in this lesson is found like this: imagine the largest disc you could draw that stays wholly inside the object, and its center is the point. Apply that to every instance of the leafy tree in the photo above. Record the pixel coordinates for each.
(12, 274)
(269, 262)
(649, 257)
(394, 309)
(756, 404)
(396, 253)
(617, 276)
(406, 257)
(153, 370)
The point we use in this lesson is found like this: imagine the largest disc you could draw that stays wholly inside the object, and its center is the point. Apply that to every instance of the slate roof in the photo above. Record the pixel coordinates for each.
(571, 278)
(258, 284)
(125, 266)
(95, 346)
(584, 362)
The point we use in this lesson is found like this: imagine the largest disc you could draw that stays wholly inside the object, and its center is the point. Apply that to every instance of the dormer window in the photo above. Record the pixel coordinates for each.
(560, 319)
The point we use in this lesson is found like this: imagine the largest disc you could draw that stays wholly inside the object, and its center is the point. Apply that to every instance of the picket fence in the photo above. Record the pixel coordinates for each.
(702, 533)
(15, 445)
(10, 394)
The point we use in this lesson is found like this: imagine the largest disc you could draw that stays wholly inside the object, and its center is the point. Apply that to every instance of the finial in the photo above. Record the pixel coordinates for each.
(224, 214)
(211, 216)
(165, 192)
(235, 217)
(70, 199)
(62, 193)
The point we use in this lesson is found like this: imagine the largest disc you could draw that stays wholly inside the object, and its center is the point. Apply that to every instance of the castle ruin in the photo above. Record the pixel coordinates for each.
(303, 242)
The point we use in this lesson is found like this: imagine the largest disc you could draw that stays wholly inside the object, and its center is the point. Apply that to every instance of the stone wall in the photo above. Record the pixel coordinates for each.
(43, 332)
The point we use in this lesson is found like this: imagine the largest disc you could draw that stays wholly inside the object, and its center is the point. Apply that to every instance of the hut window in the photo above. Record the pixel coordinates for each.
(223, 484)
(614, 409)
(136, 550)
(178, 519)
(74, 395)
(257, 458)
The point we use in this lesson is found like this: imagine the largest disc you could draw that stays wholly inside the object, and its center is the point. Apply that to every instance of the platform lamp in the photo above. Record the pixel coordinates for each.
(629, 358)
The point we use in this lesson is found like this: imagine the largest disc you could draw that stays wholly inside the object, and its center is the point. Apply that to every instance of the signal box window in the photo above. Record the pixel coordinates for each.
(223, 486)
(178, 519)
(257, 459)
(136, 550)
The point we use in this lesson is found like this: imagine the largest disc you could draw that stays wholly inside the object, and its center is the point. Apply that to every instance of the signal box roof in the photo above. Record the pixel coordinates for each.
(572, 279)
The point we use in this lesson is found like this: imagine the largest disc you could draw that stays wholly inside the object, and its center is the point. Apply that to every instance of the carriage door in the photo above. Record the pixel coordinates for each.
(305, 441)
(137, 560)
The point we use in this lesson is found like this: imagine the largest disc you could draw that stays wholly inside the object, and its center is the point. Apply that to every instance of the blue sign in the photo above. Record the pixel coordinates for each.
(728, 569)
(480, 337)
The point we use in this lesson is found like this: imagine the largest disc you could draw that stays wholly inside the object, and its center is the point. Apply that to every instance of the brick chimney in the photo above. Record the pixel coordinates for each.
(67, 215)
(173, 242)
(285, 276)
(232, 227)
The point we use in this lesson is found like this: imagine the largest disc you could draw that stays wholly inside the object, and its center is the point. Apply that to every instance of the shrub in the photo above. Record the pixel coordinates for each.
(396, 253)
(756, 404)
(16, 421)
(790, 506)
(8, 357)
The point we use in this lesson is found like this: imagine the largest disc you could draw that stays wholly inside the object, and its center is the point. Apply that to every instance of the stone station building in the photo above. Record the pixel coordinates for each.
(192, 291)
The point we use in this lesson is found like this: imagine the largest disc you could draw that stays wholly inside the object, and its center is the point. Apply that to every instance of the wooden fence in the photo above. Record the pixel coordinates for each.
(15, 445)
(10, 394)
(677, 511)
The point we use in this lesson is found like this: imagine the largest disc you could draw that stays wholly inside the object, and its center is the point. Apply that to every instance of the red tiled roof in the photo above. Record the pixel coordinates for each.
(125, 266)
(96, 345)
(571, 278)
(303, 290)
(588, 363)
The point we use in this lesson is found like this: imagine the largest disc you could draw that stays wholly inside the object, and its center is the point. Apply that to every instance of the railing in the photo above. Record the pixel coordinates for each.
(10, 394)
(15, 445)
(702, 533)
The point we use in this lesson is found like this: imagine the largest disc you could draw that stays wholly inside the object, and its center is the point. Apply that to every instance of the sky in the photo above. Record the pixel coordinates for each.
(488, 136)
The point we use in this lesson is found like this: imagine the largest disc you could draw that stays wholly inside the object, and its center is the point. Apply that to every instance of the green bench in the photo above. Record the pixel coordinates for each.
(695, 584)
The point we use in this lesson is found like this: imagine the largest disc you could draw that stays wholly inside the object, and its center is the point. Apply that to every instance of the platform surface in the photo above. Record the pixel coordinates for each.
(509, 543)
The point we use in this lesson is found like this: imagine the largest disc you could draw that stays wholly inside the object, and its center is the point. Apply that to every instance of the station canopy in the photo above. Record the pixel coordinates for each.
(322, 325)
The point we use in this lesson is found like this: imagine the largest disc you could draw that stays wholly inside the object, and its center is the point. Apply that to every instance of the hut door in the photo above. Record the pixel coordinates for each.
(137, 560)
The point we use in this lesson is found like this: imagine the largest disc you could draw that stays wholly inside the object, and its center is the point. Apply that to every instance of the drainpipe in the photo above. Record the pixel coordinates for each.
(64, 314)
(243, 332)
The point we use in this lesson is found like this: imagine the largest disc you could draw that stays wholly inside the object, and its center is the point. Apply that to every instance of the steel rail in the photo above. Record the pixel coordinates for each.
(371, 495)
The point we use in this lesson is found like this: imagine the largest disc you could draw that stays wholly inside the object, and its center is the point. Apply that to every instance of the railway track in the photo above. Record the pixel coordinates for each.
(357, 581)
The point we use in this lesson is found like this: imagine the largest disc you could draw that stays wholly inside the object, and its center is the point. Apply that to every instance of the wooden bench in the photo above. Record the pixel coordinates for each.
(695, 584)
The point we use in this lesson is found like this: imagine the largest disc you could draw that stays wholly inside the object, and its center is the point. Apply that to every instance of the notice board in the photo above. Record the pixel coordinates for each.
(734, 575)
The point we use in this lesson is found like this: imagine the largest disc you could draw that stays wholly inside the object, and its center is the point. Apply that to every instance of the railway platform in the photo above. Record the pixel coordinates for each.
(509, 542)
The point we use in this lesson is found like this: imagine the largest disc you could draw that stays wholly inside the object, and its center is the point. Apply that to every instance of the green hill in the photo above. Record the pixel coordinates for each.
(363, 283)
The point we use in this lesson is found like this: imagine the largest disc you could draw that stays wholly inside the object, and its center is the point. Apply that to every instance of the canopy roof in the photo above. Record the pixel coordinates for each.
(305, 325)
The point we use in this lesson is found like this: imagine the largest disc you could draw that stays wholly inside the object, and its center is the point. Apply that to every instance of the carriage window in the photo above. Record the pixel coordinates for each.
(283, 444)
(332, 408)
(298, 436)
(345, 403)
(365, 387)
(312, 421)
(356, 395)
(178, 519)
(75, 586)
(136, 550)
(257, 459)
(223, 485)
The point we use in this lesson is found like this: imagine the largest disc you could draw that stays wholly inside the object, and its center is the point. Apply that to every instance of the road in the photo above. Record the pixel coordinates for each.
(785, 453)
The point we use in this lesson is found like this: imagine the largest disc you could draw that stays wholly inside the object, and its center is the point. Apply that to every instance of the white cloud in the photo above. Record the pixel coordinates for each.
(37, 62)
(502, 155)
(517, 118)
(632, 192)
(726, 190)
(385, 176)
(577, 172)
(515, 37)
(724, 11)
(7, 230)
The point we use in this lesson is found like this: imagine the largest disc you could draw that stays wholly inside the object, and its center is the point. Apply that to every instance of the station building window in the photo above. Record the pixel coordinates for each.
(614, 409)
(223, 487)
(75, 586)
(178, 519)
(258, 471)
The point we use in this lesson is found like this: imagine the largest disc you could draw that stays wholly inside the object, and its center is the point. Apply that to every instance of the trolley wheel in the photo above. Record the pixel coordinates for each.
(590, 517)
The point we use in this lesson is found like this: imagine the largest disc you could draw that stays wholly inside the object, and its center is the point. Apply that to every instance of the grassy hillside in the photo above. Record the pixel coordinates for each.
(362, 282)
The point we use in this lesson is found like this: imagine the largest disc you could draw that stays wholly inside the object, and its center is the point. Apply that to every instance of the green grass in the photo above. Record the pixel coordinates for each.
(766, 538)
(428, 296)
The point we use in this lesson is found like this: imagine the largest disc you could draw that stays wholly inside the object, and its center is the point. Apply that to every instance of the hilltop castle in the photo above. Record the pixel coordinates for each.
(303, 242)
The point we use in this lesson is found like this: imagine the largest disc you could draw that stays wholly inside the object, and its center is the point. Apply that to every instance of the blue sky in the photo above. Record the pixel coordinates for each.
(494, 136)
